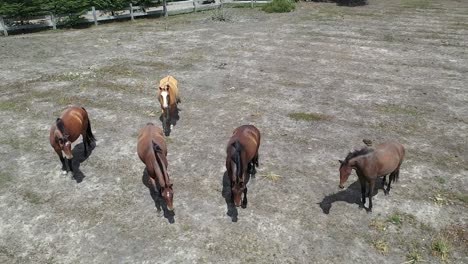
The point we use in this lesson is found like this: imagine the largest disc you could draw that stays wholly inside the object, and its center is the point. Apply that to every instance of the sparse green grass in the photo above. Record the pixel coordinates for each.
(421, 4)
(378, 225)
(398, 218)
(389, 37)
(8, 106)
(440, 247)
(309, 117)
(186, 227)
(381, 246)
(460, 25)
(33, 197)
(117, 70)
(414, 256)
(462, 197)
(440, 179)
(279, 6)
(395, 219)
(397, 109)
(270, 176)
(246, 5)
(5, 179)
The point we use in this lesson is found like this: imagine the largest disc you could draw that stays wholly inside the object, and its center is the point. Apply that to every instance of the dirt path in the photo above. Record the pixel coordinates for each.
(386, 70)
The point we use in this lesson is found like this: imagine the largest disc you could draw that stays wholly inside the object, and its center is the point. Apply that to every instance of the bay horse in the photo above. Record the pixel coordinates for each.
(152, 151)
(72, 123)
(370, 163)
(168, 96)
(242, 157)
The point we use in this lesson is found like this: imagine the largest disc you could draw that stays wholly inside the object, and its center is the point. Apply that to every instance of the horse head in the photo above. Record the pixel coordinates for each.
(164, 95)
(61, 137)
(345, 171)
(237, 190)
(168, 195)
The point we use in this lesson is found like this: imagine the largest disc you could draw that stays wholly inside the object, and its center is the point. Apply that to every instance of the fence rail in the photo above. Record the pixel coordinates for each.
(131, 12)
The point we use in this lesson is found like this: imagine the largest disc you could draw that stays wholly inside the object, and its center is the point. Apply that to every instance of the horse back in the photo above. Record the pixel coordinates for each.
(75, 121)
(249, 138)
(149, 135)
(390, 155)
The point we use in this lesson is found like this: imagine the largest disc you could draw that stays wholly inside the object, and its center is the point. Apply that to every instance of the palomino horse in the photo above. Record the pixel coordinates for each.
(152, 151)
(67, 128)
(370, 163)
(242, 157)
(168, 95)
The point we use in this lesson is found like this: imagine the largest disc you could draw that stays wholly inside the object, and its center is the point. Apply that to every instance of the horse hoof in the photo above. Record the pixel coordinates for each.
(159, 213)
(244, 206)
(234, 219)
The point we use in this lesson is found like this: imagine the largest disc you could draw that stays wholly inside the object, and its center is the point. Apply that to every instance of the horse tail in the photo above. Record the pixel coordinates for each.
(237, 158)
(89, 134)
(59, 124)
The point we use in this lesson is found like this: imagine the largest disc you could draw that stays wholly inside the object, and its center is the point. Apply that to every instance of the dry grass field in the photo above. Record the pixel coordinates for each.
(316, 82)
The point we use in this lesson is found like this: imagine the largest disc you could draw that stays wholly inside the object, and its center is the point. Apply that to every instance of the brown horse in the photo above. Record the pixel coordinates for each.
(67, 128)
(168, 95)
(152, 151)
(370, 163)
(242, 157)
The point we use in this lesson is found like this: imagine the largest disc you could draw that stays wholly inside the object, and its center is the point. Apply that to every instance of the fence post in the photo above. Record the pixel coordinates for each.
(52, 21)
(4, 28)
(194, 6)
(131, 12)
(94, 15)
(165, 8)
(251, 3)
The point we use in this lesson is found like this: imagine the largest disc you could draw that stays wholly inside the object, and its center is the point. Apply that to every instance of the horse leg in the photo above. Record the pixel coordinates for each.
(155, 195)
(384, 180)
(363, 192)
(244, 201)
(371, 190)
(70, 167)
(251, 169)
(393, 175)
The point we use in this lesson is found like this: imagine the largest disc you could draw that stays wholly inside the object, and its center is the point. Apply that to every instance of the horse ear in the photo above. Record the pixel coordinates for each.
(341, 162)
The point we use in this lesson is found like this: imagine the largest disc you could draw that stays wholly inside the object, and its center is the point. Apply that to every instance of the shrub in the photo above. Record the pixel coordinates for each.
(279, 6)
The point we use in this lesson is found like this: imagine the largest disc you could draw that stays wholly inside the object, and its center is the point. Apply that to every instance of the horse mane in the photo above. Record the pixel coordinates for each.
(237, 158)
(60, 126)
(356, 153)
(157, 149)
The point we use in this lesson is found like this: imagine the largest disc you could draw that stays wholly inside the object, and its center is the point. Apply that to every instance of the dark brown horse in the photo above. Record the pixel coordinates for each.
(152, 151)
(67, 128)
(242, 157)
(370, 163)
(168, 96)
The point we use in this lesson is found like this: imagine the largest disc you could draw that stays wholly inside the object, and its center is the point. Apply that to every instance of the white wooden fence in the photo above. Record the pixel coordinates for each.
(131, 12)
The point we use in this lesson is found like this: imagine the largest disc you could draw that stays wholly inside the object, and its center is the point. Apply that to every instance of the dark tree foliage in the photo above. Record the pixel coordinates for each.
(20, 8)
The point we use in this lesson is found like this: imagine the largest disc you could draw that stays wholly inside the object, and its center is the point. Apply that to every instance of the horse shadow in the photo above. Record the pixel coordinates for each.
(158, 200)
(349, 3)
(80, 157)
(227, 195)
(174, 118)
(351, 195)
